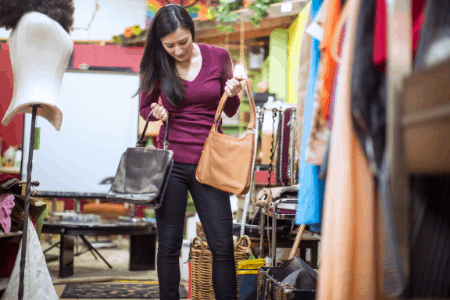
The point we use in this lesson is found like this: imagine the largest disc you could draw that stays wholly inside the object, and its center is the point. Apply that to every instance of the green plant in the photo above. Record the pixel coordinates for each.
(225, 12)
(260, 9)
(193, 9)
(116, 39)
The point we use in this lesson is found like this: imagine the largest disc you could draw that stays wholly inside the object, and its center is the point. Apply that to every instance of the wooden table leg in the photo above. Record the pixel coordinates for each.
(303, 253)
(142, 252)
(314, 255)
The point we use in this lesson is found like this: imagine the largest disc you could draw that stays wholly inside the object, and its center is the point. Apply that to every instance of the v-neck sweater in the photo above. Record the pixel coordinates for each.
(189, 125)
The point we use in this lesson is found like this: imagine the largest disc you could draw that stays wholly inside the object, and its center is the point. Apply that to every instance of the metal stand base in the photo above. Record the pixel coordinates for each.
(89, 246)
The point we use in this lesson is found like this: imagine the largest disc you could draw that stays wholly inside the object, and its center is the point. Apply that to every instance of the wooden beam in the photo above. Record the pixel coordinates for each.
(230, 46)
(248, 35)
(274, 11)
(248, 26)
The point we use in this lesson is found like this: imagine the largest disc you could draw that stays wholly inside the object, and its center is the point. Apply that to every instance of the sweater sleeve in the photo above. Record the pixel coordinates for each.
(232, 104)
(146, 101)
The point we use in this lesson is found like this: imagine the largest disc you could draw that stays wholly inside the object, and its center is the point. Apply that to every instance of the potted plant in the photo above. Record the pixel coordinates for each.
(225, 12)
(260, 9)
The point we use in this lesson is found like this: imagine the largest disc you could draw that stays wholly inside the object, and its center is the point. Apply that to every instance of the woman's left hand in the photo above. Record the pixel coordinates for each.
(233, 87)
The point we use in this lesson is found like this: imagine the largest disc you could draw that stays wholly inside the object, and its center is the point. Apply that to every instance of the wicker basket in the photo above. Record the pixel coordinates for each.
(201, 274)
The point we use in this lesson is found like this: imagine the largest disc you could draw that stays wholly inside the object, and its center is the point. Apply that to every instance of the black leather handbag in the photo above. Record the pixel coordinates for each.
(143, 173)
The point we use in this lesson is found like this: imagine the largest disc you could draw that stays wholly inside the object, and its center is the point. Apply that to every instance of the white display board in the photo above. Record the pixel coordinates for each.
(100, 121)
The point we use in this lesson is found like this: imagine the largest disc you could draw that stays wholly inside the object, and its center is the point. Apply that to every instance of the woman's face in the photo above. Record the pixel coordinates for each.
(179, 44)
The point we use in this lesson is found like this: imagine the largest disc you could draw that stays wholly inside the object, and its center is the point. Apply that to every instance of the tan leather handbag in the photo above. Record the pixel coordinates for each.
(226, 161)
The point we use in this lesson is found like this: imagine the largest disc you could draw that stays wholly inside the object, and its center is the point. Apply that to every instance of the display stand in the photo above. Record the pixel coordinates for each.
(252, 187)
(27, 200)
(275, 215)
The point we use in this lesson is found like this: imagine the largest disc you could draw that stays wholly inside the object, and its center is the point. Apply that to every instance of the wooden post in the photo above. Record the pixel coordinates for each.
(242, 35)
(227, 40)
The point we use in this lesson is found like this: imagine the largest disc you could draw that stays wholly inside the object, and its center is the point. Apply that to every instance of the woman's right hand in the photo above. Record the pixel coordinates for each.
(159, 112)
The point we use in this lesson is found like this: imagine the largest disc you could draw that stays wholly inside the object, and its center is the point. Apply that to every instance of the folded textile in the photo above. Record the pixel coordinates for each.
(6, 206)
(17, 218)
(17, 214)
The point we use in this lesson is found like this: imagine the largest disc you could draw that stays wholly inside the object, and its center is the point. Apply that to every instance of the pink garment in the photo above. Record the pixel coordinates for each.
(6, 206)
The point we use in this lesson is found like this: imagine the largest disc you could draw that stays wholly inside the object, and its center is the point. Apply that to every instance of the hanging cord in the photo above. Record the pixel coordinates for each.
(272, 149)
(272, 153)
(292, 142)
(261, 216)
(280, 146)
(249, 194)
(260, 120)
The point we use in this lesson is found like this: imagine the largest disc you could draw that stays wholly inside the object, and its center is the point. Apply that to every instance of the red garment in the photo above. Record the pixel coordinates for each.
(5, 177)
(380, 34)
(8, 254)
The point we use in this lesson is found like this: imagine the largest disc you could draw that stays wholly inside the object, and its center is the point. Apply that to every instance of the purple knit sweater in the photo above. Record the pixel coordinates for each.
(190, 124)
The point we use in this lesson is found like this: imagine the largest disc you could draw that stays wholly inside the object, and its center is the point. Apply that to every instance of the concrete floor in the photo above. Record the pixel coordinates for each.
(89, 269)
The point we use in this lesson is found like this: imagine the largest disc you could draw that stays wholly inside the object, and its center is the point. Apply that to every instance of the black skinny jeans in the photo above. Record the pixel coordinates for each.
(214, 210)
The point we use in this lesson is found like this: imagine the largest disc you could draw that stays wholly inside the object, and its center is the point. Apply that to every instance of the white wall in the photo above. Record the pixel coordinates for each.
(111, 19)
(99, 124)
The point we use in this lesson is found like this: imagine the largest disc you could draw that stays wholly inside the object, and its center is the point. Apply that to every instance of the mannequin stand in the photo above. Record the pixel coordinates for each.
(27, 201)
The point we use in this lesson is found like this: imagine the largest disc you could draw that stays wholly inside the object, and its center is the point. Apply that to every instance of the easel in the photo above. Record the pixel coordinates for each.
(27, 200)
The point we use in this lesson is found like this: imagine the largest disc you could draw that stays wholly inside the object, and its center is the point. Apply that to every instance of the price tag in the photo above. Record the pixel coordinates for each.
(37, 138)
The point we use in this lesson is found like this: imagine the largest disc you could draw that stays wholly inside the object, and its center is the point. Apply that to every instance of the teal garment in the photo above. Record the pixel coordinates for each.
(311, 190)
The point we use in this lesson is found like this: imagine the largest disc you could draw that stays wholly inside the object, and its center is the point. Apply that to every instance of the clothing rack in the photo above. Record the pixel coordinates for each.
(399, 66)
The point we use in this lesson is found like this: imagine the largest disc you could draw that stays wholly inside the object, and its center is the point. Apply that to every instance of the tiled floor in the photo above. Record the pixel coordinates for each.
(91, 270)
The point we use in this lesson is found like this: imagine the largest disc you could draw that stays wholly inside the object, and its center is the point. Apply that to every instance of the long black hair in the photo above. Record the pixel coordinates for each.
(156, 63)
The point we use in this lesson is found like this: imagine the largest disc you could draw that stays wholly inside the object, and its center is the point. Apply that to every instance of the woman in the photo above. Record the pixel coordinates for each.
(190, 79)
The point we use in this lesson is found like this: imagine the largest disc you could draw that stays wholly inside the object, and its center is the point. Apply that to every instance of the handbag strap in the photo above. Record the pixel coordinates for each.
(166, 137)
(247, 85)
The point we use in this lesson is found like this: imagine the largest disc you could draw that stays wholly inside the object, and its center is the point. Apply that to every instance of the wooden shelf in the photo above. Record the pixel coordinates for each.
(9, 170)
(207, 32)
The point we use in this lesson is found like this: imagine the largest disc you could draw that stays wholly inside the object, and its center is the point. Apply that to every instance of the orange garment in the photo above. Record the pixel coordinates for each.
(332, 12)
(349, 234)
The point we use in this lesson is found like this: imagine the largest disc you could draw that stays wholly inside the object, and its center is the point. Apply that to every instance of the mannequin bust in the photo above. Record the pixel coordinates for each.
(40, 50)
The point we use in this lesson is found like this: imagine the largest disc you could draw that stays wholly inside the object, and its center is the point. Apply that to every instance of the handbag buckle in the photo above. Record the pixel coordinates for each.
(166, 144)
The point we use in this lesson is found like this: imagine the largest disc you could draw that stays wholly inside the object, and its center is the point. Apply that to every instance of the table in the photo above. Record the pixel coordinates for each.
(142, 241)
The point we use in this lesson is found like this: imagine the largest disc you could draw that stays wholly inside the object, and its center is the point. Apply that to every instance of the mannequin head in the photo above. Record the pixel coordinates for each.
(59, 10)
